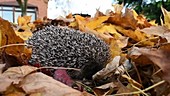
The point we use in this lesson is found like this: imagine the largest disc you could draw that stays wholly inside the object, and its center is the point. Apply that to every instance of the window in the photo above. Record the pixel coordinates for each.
(11, 13)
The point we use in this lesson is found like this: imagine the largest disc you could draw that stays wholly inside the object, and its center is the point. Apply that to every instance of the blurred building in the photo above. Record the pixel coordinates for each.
(10, 10)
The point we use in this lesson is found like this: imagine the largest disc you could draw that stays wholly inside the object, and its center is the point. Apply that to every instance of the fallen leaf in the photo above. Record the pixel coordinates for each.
(153, 22)
(115, 48)
(106, 89)
(1, 68)
(160, 57)
(109, 69)
(14, 75)
(108, 28)
(69, 16)
(122, 41)
(18, 50)
(126, 20)
(9, 37)
(142, 22)
(136, 35)
(158, 30)
(81, 21)
(138, 57)
(118, 8)
(166, 20)
(14, 91)
(23, 20)
(24, 35)
(98, 13)
(47, 86)
(96, 22)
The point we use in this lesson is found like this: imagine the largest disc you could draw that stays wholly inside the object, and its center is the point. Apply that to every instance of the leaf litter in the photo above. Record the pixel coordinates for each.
(140, 56)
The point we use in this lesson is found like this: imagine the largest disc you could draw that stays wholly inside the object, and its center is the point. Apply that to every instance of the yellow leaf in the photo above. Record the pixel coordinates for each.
(136, 35)
(73, 24)
(9, 37)
(14, 91)
(96, 22)
(152, 22)
(166, 18)
(108, 28)
(135, 14)
(24, 35)
(114, 48)
(81, 22)
(24, 20)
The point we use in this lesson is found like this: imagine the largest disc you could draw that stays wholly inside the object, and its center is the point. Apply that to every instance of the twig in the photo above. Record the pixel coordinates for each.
(86, 87)
(76, 69)
(11, 45)
(138, 92)
(157, 72)
(137, 72)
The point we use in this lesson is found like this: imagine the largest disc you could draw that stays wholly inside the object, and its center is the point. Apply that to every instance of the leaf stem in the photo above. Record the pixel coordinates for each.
(11, 45)
(138, 92)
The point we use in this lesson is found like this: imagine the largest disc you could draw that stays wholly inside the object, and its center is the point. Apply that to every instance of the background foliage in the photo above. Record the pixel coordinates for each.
(151, 10)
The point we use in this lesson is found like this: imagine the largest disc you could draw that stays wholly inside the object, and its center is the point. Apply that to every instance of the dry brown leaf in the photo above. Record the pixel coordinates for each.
(125, 20)
(1, 68)
(98, 13)
(160, 57)
(118, 8)
(136, 35)
(106, 37)
(47, 86)
(9, 37)
(109, 69)
(158, 30)
(106, 89)
(138, 58)
(70, 16)
(124, 89)
(142, 22)
(13, 76)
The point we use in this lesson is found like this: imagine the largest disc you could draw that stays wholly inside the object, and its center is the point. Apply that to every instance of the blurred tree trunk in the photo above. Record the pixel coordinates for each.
(23, 6)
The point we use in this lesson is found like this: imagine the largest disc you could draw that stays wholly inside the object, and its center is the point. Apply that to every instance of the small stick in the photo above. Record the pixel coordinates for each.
(138, 92)
(76, 69)
(11, 45)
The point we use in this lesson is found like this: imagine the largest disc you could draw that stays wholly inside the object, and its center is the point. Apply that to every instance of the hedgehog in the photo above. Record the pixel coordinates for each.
(56, 46)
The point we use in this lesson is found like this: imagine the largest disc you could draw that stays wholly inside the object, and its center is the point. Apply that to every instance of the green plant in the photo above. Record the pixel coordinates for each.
(23, 6)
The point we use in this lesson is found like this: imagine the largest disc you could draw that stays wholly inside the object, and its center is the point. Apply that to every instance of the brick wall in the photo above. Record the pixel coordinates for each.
(42, 6)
